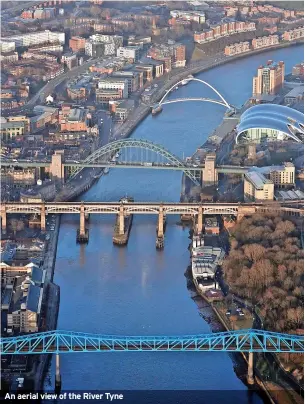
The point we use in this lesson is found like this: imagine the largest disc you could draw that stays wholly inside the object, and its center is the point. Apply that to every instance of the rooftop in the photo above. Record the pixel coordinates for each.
(273, 116)
(257, 179)
(76, 115)
(296, 92)
(33, 301)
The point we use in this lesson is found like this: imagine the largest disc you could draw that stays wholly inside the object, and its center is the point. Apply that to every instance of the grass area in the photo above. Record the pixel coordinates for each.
(198, 54)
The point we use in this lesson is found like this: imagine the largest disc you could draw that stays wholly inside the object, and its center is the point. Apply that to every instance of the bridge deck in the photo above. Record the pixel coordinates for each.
(68, 342)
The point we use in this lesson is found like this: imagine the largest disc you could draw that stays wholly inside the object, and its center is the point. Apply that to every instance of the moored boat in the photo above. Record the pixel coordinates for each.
(156, 109)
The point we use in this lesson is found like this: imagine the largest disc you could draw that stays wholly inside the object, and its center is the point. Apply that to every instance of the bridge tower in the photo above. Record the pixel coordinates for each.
(57, 167)
(209, 173)
(43, 217)
(251, 151)
(3, 218)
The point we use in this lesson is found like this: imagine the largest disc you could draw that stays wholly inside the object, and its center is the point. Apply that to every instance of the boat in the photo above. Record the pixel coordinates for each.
(186, 80)
(106, 170)
(230, 112)
(156, 109)
(126, 199)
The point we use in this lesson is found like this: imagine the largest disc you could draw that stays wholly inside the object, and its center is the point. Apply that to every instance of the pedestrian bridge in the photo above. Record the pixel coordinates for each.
(57, 342)
(221, 101)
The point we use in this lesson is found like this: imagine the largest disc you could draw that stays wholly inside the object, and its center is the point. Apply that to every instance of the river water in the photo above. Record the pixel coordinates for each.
(140, 291)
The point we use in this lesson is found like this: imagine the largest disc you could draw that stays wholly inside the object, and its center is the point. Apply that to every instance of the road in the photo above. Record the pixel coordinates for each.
(21, 6)
(104, 122)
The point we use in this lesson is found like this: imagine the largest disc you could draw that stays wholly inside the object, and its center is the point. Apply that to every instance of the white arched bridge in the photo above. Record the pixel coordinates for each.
(134, 153)
(221, 101)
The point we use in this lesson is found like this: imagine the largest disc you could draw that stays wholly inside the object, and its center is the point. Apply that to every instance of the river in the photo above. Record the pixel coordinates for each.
(137, 290)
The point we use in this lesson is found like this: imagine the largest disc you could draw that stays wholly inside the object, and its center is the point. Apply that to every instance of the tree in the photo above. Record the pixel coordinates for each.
(95, 11)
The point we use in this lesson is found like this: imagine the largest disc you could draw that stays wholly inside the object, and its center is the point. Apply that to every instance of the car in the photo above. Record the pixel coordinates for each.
(228, 312)
(241, 313)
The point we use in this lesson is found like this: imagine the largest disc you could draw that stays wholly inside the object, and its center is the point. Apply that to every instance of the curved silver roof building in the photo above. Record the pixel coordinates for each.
(270, 121)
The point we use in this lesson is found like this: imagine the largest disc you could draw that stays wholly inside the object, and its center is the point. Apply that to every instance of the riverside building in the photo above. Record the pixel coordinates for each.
(269, 78)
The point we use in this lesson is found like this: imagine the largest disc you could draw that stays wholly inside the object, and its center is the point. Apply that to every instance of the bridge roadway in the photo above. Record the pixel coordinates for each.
(57, 341)
(145, 208)
(228, 169)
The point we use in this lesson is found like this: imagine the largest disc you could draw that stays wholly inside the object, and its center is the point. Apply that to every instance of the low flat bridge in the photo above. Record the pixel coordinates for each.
(57, 342)
(161, 209)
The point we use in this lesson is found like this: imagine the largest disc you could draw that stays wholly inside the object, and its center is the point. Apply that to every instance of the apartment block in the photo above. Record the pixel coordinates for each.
(237, 48)
(114, 84)
(257, 187)
(221, 30)
(77, 43)
(269, 79)
(265, 41)
(293, 34)
(129, 52)
(36, 38)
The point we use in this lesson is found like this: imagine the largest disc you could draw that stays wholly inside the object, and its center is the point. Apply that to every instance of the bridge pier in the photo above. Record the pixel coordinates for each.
(240, 216)
(161, 222)
(160, 229)
(250, 377)
(121, 221)
(57, 376)
(200, 220)
(43, 217)
(3, 218)
(82, 233)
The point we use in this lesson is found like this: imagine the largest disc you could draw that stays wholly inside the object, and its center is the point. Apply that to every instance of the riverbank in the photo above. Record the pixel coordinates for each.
(268, 374)
(51, 304)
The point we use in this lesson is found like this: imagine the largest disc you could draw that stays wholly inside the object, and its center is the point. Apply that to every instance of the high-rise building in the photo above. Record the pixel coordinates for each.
(269, 79)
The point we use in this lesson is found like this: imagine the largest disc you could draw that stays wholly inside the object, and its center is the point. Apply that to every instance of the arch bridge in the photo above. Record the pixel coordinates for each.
(136, 152)
(56, 341)
(221, 101)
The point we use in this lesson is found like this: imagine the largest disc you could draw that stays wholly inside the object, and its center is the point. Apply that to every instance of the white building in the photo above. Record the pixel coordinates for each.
(114, 84)
(9, 57)
(7, 46)
(110, 44)
(129, 52)
(257, 187)
(35, 38)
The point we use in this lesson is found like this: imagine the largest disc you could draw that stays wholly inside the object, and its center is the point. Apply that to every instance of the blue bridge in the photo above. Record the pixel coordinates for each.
(58, 342)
